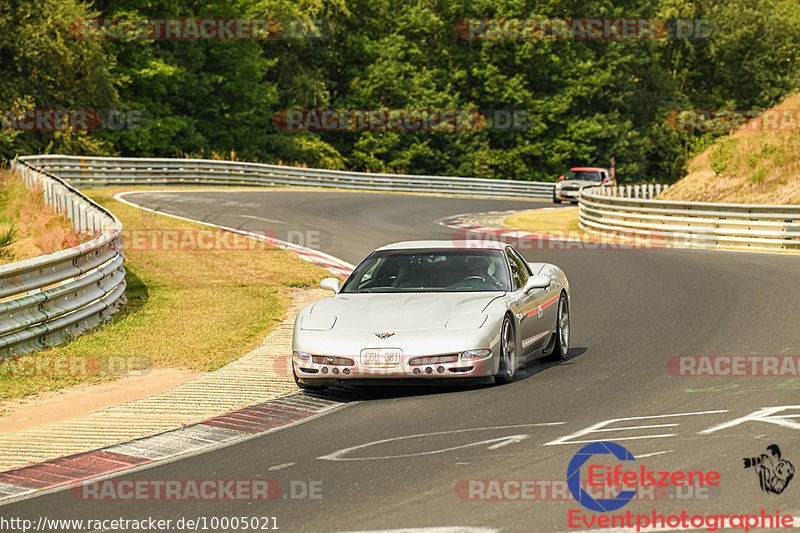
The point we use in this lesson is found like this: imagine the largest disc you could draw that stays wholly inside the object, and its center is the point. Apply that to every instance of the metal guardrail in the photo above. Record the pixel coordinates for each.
(47, 299)
(103, 171)
(696, 224)
(646, 191)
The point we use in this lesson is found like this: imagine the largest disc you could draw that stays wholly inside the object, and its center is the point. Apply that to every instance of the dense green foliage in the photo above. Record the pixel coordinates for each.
(585, 100)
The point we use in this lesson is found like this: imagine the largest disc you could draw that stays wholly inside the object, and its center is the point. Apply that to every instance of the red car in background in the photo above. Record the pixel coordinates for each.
(568, 187)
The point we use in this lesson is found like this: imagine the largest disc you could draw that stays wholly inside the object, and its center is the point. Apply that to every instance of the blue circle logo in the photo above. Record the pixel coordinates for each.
(574, 476)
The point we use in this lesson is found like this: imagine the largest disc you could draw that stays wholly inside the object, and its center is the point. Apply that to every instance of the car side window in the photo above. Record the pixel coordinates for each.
(518, 270)
(525, 266)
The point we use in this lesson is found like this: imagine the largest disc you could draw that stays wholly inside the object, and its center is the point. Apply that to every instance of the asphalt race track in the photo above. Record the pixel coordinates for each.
(631, 311)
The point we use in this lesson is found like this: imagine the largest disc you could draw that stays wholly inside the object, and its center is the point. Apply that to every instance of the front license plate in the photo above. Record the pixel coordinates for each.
(381, 357)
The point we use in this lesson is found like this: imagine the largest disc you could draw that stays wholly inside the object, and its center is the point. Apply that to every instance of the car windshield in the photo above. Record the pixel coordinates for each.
(396, 271)
(584, 175)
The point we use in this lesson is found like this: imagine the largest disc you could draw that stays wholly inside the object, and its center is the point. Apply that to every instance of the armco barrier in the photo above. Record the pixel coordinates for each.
(696, 224)
(47, 299)
(102, 171)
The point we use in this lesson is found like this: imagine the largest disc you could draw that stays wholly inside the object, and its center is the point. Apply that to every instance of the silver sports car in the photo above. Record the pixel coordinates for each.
(436, 311)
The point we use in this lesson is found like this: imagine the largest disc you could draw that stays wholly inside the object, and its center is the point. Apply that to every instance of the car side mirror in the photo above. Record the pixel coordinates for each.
(332, 284)
(536, 282)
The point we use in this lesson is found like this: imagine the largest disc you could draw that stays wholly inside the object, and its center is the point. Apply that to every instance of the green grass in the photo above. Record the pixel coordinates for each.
(757, 176)
(192, 309)
(11, 190)
(722, 153)
(7, 238)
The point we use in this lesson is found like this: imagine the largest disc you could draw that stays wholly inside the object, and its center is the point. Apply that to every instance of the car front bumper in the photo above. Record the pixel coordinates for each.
(436, 369)
(567, 194)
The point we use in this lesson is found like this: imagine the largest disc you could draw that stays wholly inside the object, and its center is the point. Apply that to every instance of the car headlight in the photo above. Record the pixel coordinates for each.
(472, 355)
(301, 357)
(559, 185)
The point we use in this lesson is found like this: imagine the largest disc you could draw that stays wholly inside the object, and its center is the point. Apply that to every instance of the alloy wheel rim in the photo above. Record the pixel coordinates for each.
(563, 326)
(508, 348)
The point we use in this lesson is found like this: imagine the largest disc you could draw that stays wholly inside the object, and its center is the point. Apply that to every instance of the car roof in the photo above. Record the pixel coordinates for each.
(445, 245)
(593, 169)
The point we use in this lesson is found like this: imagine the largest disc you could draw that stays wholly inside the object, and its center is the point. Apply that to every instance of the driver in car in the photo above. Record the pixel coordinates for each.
(478, 268)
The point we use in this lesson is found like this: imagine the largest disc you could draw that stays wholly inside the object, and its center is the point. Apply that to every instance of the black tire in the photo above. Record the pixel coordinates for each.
(561, 349)
(508, 353)
(305, 386)
(556, 200)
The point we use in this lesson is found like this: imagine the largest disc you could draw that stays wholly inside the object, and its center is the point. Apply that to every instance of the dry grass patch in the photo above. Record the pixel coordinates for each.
(28, 227)
(192, 309)
(546, 221)
(757, 166)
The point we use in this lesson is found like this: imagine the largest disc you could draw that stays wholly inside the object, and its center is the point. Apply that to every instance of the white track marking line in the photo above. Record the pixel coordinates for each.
(502, 441)
(642, 456)
(280, 466)
(260, 218)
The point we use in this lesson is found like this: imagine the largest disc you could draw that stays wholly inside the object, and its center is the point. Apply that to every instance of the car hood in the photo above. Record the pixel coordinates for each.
(397, 312)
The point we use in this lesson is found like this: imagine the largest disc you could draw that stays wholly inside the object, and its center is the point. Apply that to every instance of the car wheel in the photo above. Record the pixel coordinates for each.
(556, 200)
(562, 329)
(305, 386)
(508, 353)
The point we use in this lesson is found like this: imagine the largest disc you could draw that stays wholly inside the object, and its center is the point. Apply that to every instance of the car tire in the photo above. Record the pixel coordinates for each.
(508, 352)
(556, 200)
(305, 386)
(561, 349)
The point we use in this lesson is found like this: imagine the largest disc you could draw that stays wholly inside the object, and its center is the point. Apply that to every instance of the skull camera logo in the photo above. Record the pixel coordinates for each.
(774, 473)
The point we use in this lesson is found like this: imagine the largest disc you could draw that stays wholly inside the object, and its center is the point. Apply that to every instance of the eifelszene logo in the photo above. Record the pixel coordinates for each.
(612, 478)
(774, 473)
